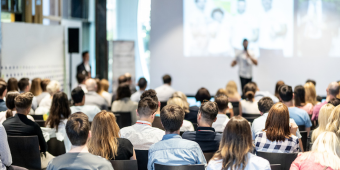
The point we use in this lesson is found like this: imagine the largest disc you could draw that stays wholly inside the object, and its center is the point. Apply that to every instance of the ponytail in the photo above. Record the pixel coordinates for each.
(250, 95)
(9, 113)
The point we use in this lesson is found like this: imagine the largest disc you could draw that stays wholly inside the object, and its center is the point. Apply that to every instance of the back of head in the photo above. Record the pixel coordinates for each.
(333, 89)
(334, 121)
(60, 109)
(265, 104)
(3, 87)
(172, 117)
(99, 87)
(77, 95)
(324, 114)
(12, 84)
(249, 91)
(231, 88)
(209, 111)
(299, 95)
(182, 96)
(221, 92)
(176, 101)
(202, 95)
(78, 128)
(311, 81)
(44, 84)
(277, 86)
(310, 95)
(10, 102)
(53, 87)
(104, 84)
(142, 83)
(23, 101)
(36, 88)
(122, 79)
(235, 144)
(23, 83)
(81, 78)
(146, 107)
(335, 102)
(149, 93)
(277, 123)
(128, 76)
(167, 79)
(91, 84)
(123, 91)
(105, 132)
(286, 93)
(222, 102)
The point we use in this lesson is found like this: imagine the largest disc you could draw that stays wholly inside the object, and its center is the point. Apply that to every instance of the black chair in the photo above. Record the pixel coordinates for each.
(275, 166)
(163, 104)
(123, 119)
(55, 147)
(195, 126)
(208, 155)
(181, 133)
(142, 159)
(41, 123)
(245, 115)
(236, 108)
(25, 151)
(302, 128)
(38, 117)
(124, 164)
(304, 139)
(284, 159)
(228, 114)
(182, 167)
(157, 123)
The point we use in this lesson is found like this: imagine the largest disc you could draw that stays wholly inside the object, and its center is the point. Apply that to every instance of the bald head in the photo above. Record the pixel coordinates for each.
(333, 89)
(91, 85)
(128, 77)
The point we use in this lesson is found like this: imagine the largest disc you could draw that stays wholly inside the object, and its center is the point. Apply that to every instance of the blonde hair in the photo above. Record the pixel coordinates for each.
(324, 114)
(53, 87)
(105, 132)
(338, 96)
(176, 101)
(35, 87)
(334, 121)
(310, 93)
(221, 92)
(104, 85)
(182, 96)
(231, 89)
(100, 89)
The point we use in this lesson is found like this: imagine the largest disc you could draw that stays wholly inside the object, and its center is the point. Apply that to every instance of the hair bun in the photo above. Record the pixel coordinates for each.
(250, 95)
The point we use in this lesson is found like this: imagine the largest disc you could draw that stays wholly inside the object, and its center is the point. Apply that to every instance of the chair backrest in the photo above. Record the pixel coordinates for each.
(228, 114)
(142, 159)
(275, 166)
(208, 155)
(55, 147)
(124, 164)
(245, 115)
(302, 128)
(38, 117)
(25, 151)
(123, 119)
(236, 108)
(182, 167)
(195, 126)
(163, 104)
(304, 140)
(41, 123)
(285, 159)
(157, 123)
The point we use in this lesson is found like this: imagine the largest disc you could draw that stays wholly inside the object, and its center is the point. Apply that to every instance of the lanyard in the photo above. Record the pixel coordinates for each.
(143, 123)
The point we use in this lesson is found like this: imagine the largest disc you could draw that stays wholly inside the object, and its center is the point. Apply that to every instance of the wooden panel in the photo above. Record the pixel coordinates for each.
(38, 12)
(28, 11)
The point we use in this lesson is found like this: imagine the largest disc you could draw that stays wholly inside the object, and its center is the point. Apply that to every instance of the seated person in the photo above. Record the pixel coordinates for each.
(3, 92)
(230, 106)
(201, 95)
(300, 100)
(142, 135)
(142, 84)
(236, 147)
(172, 149)
(105, 140)
(165, 91)
(44, 93)
(260, 94)
(325, 116)
(221, 119)
(53, 87)
(187, 126)
(11, 111)
(24, 85)
(205, 135)
(234, 97)
(249, 105)
(300, 116)
(278, 135)
(92, 97)
(78, 131)
(78, 97)
(5, 156)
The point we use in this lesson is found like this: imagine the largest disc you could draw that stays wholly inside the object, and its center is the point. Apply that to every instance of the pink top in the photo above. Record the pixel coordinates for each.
(308, 108)
(307, 164)
(317, 109)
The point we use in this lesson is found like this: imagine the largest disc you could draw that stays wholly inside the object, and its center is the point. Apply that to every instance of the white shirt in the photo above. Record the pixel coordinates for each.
(60, 135)
(3, 116)
(260, 94)
(44, 106)
(90, 110)
(87, 66)
(187, 126)
(142, 135)
(220, 123)
(136, 96)
(245, 64)
(164, 92)
(83, 87)
(250, 107)
(107, 96)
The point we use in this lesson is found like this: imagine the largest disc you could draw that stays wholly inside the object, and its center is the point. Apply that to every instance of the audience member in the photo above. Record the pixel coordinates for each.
(78, 131)
(105, 140)
(324, 115)
(123, 102)
(52, 88)
(121, 80)
(201, 96)
(12, 84)
(142, 135)
(310, 93)
(335, 102)
(81, 79)
(44, 93)
(142, 84)
(205, 136)
(78, 97)
(230, 106)
(184, 98)
(221, 119)
(260, 94)
(104, 90)
(172, 149)
(25, 86)
(332, 90)
(3, 92)
(5, 156)
(338, 96)
(92, 97)
(130, 82)
(277, 86)
(232, 92)
(165, 91)
(249, 105)
(36, 88)
(236, 147)
(334, 122)
(313, 91)
(325, 154)
(11, 111)
(153, 95)
(278, 135)
(187, 126)
(300, 116)
(300, 100)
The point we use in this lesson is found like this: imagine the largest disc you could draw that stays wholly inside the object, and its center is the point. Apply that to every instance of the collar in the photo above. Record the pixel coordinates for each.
(221, 116)
(206, 129)
(265, 114)
(171, 136)
(141, 122)
(1, 100)
(21, 115)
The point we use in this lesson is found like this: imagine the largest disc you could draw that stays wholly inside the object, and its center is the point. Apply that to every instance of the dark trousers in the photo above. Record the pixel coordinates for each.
(244, 81)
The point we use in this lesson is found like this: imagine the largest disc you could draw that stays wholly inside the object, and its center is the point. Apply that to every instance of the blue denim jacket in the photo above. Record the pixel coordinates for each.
(173, 150)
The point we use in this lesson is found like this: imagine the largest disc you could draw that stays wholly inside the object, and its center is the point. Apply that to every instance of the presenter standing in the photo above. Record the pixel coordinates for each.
(245, 60)
(84, 67)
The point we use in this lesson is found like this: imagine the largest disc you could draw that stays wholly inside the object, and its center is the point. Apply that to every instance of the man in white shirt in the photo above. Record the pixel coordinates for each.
(24, 85)
(142, 135)
(142, 83)
(165, 91)
(260, 94)
(246, 59)
(222, 119)
(78, 97)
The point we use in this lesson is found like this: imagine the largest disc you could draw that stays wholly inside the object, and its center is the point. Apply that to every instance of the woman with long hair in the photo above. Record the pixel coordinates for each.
(324, 114)
(334, 121)
(310, 93)
(187, 125)
(278, 132)
(235, 149)
(325, 154)
(249, 105)
(105, 140)
(300, 100)
(277, 86)
(104, 90)
(232, 92)
(12, 84)
(184, 98)
(59, 111)
(35, 87)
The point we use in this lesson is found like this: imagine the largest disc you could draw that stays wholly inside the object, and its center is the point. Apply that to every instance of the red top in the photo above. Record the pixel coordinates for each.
(307, 164)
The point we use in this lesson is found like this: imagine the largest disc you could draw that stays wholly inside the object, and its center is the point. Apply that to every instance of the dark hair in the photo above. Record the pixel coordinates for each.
(209, 111)
(77, 95)
(44, 84)
(172, 117)
(311, 81)
(23, 83)
(77, 128)
(12, 84)
(286, 93)
(3, 87)
(60, 109)
(147, 106)
(265, 104)
(81, 78)
(244, 40)
(202, 94)
(167, 79)
(277, 123)
(122, 79)
(10, 102)
(216, 10)
(249, 91)
(277, 86)
(84, 53)
(299, 95)
(149, 93)
(23, 100)
(123, 91)
(142, 83)
(335, 102)
(222, 102)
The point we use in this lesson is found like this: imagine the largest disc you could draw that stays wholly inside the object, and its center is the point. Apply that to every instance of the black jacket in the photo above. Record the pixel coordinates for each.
(81, 69)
